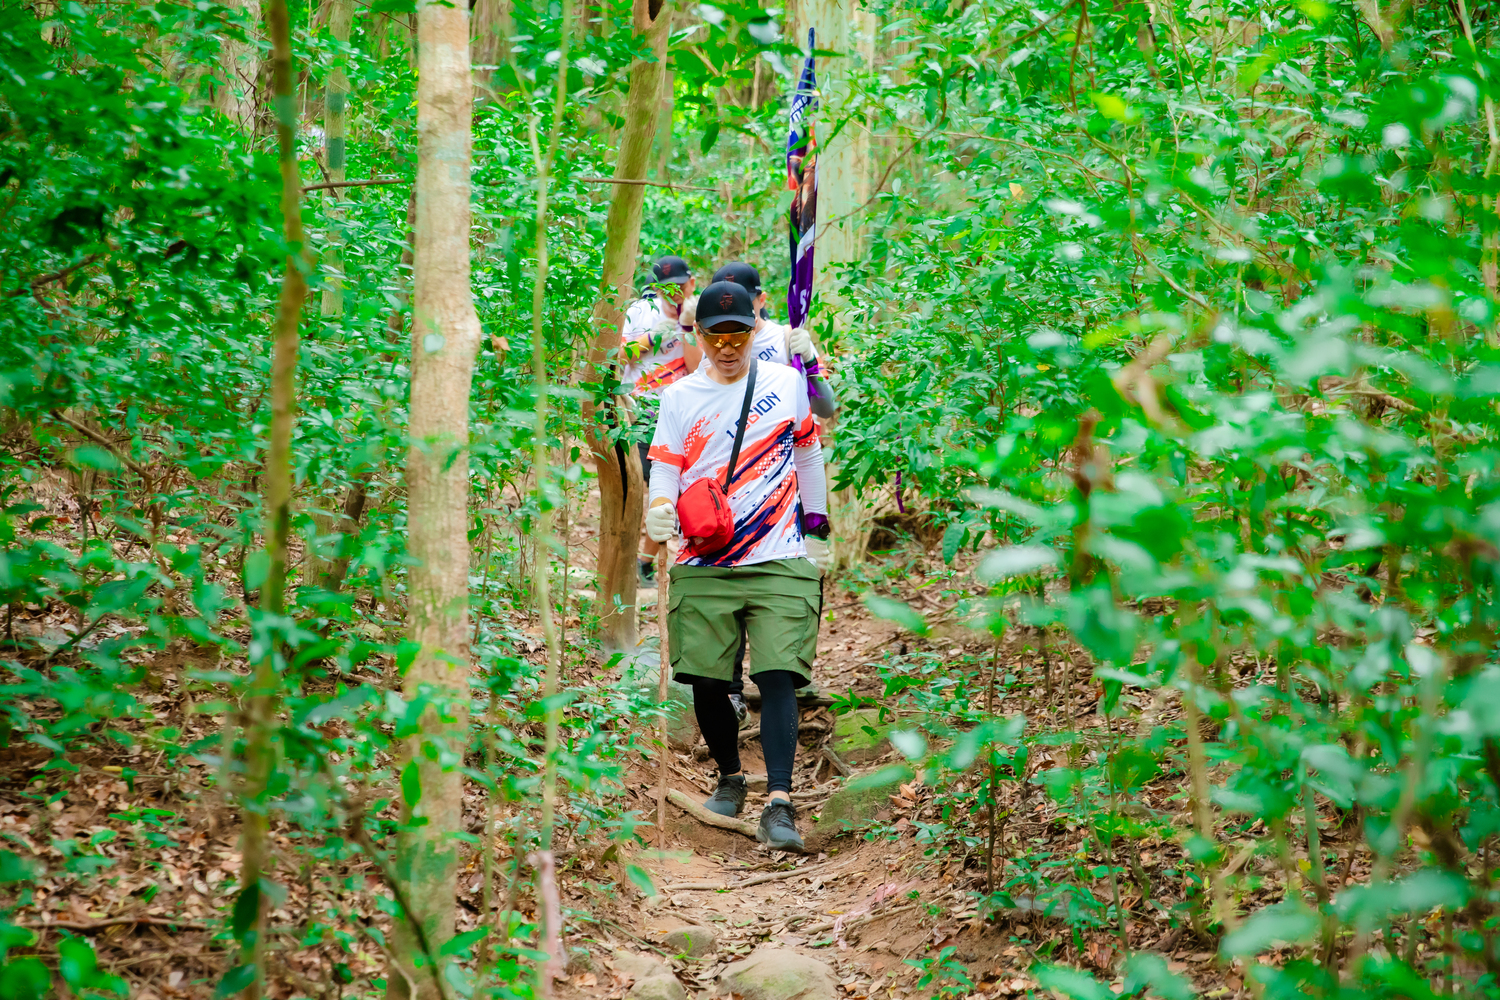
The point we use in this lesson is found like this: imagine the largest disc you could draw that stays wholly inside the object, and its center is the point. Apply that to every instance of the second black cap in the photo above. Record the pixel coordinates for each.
(670, 270)
(741, 274)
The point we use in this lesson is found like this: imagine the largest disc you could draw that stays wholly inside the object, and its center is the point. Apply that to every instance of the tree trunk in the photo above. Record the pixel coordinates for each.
(240, 63)
(335, 128)
(621, 490)
(445, 341)
(551, 930)
(260, 741)
(843, 190)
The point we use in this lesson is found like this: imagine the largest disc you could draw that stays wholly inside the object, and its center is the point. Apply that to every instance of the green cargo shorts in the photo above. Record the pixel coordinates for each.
(779, 603)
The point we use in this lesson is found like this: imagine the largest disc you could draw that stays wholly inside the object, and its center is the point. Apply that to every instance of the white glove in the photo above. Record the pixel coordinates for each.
(817, 551)
(661, 522)
(687, 313)
(799, 342)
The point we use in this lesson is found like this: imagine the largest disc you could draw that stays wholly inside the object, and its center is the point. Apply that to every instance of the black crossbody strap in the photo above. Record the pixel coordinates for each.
(739, 428)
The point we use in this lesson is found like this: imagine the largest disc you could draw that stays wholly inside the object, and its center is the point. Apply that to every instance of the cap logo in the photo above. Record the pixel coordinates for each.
(726, 300)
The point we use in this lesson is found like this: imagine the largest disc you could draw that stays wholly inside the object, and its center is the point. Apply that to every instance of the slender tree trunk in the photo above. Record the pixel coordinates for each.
(239, 61)
(843, 189)
(621, 490)
(551, 931)
(260, 742)
(445, 341)
(335, 130)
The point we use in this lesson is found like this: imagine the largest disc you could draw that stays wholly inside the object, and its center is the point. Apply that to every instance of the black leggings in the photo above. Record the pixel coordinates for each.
(778, 724)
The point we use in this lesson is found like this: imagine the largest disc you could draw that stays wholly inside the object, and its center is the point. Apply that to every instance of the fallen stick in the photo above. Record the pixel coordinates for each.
(99, 925)
(817, 701)
(837, 762)
(702, 815)
(862, 918)
(747, 883)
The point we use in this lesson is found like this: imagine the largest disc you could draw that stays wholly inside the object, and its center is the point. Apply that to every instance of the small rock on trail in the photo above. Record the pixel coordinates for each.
(653, 981)
(663, 987)
(695, 942)
(780, 974)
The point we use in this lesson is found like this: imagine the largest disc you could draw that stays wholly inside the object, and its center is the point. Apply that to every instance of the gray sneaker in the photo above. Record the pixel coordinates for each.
(729, 798)
(778, 827)
(741, 710)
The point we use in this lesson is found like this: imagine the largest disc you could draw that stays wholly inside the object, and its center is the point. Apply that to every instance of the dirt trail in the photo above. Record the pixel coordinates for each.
(862, 907)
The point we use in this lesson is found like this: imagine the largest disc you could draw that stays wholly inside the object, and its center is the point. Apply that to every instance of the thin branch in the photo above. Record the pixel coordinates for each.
(659, 184)
(98, 925)
(356, 826)
(102, 441)
(1059, 13)
(350, 184)
(880, 185)
(45, 279)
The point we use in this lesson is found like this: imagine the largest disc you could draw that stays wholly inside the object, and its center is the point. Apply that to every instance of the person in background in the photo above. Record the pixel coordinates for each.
(778, 343)
(657, 348)
(759, 577)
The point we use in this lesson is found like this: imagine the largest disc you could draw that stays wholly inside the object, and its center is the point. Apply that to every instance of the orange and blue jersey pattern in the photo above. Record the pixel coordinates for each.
(650, 347)
(695, 434)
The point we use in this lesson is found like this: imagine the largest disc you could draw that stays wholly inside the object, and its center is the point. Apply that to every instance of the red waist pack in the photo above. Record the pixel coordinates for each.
(703, 509)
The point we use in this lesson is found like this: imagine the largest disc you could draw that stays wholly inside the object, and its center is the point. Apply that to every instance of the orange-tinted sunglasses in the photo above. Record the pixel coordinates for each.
(736, 339)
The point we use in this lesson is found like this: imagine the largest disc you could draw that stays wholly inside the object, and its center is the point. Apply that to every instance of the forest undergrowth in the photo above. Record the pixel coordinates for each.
(965, 899)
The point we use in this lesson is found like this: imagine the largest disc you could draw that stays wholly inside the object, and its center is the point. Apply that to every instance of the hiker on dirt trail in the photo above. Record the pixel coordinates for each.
(779, 343)
(657, 348)
(738, 470)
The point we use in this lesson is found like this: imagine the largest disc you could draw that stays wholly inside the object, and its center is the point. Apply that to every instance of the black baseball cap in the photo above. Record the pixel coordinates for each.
(741, 274)
(725, 302)
(670, 270)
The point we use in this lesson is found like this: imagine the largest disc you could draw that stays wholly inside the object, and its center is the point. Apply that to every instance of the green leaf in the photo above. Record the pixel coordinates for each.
(1015, 560)
(246, 906)
(411, 784)
(14, 868)
(1146, 971)
(257, 568)
(236, 980)
(642, 880)
(896, 611)
(912, 744)
(92, 457)
(460, 944)
(710, 136)
(1284, 923)
(1073, 983)
(1114, 108)
(891, 774)
(25, 979)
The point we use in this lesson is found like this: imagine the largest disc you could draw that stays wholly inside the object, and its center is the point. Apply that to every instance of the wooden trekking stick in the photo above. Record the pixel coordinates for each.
(662, 586)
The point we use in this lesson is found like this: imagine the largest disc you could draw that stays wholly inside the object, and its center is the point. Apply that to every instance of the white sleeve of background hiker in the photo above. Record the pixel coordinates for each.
(661, 522)
(812, 484)
(799, 343)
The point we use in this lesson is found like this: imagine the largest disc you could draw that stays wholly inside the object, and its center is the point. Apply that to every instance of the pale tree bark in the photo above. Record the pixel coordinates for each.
(543, 860)
(1489, 225)
(843, 191)
(445, 341)
(621, 490)
(335, 133)
(260, 737)
(239, 61)
(488, 46)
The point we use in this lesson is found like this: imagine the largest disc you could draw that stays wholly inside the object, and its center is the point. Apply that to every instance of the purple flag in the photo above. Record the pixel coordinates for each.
(802, 181)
